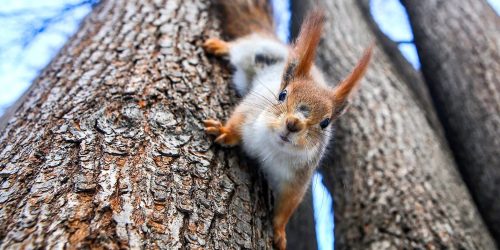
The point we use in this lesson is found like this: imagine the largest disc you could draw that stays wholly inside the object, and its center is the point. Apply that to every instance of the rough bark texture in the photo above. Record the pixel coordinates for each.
(459, 46)
(108, 150)
(394, 182)
(413, 78)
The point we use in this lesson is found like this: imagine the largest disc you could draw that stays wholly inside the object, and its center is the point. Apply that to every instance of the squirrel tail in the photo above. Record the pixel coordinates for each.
(243, 17)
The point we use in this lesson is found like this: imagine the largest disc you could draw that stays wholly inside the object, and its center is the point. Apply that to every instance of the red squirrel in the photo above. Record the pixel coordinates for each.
(284, 120)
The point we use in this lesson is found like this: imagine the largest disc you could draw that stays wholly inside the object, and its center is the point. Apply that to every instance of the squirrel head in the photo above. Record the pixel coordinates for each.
(308, 107)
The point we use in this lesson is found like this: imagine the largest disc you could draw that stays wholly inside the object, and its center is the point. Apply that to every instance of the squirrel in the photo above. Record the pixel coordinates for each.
(284, 119)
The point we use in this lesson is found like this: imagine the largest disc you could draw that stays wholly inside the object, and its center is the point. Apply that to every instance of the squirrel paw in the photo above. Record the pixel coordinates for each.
(225, 136)
(280, 239)
(216, 47)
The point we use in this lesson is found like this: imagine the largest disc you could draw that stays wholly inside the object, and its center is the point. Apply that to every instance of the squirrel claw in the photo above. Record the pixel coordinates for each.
(224, 137)
(216, 47)
(212, 127)
(212, 123)
(212, 131)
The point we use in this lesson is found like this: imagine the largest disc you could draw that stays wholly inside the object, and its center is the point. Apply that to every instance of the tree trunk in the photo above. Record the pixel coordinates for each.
(411, 77)
(459, 46)
(393, 179)
(108, 148)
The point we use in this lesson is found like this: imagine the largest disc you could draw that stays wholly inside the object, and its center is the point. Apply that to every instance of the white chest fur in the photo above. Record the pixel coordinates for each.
(278, 163)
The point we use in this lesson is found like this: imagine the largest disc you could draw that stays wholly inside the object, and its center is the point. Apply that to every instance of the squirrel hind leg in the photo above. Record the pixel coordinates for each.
(216, 46)
(287, 200)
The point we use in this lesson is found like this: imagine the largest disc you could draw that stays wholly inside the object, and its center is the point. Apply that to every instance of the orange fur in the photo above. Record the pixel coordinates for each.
(341, 92)
(305, 92)
(307, 42)
(230, 133)
(216, 46)
(288, 199)
(298, 117)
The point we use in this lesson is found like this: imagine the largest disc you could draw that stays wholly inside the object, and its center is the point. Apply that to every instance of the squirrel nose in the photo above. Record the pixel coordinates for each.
(293, 124)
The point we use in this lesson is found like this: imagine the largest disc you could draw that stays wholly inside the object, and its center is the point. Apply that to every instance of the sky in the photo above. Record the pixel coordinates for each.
(20, 62)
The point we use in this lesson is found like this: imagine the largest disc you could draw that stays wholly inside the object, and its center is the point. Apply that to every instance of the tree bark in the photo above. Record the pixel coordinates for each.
(459, 46)
(411, 77)
(393, 179)
(108, 149)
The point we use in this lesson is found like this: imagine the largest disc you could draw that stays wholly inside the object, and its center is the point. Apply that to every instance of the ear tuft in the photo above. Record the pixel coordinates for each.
(307, 42)
(342, 91)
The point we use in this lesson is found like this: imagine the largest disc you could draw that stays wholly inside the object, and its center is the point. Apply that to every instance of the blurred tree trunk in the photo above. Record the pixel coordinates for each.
(108, 150)
(459, 46)
(411, 77)
(393, 178)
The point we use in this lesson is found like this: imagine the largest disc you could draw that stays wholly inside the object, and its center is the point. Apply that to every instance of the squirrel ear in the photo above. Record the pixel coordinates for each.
(307, 42)
(343, 90)
(340, 109)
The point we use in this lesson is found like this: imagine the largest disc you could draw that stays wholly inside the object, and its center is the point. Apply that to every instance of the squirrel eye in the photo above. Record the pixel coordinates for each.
(282, 96)
(324, 123)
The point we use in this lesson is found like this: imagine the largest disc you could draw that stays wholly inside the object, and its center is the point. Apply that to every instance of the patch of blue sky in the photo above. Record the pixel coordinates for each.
(21, 62)
(495, 4)
(392, 19)
(282, 16)
(323, 213)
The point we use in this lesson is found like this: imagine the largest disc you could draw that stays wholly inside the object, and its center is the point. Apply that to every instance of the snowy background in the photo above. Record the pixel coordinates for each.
(34, 31)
